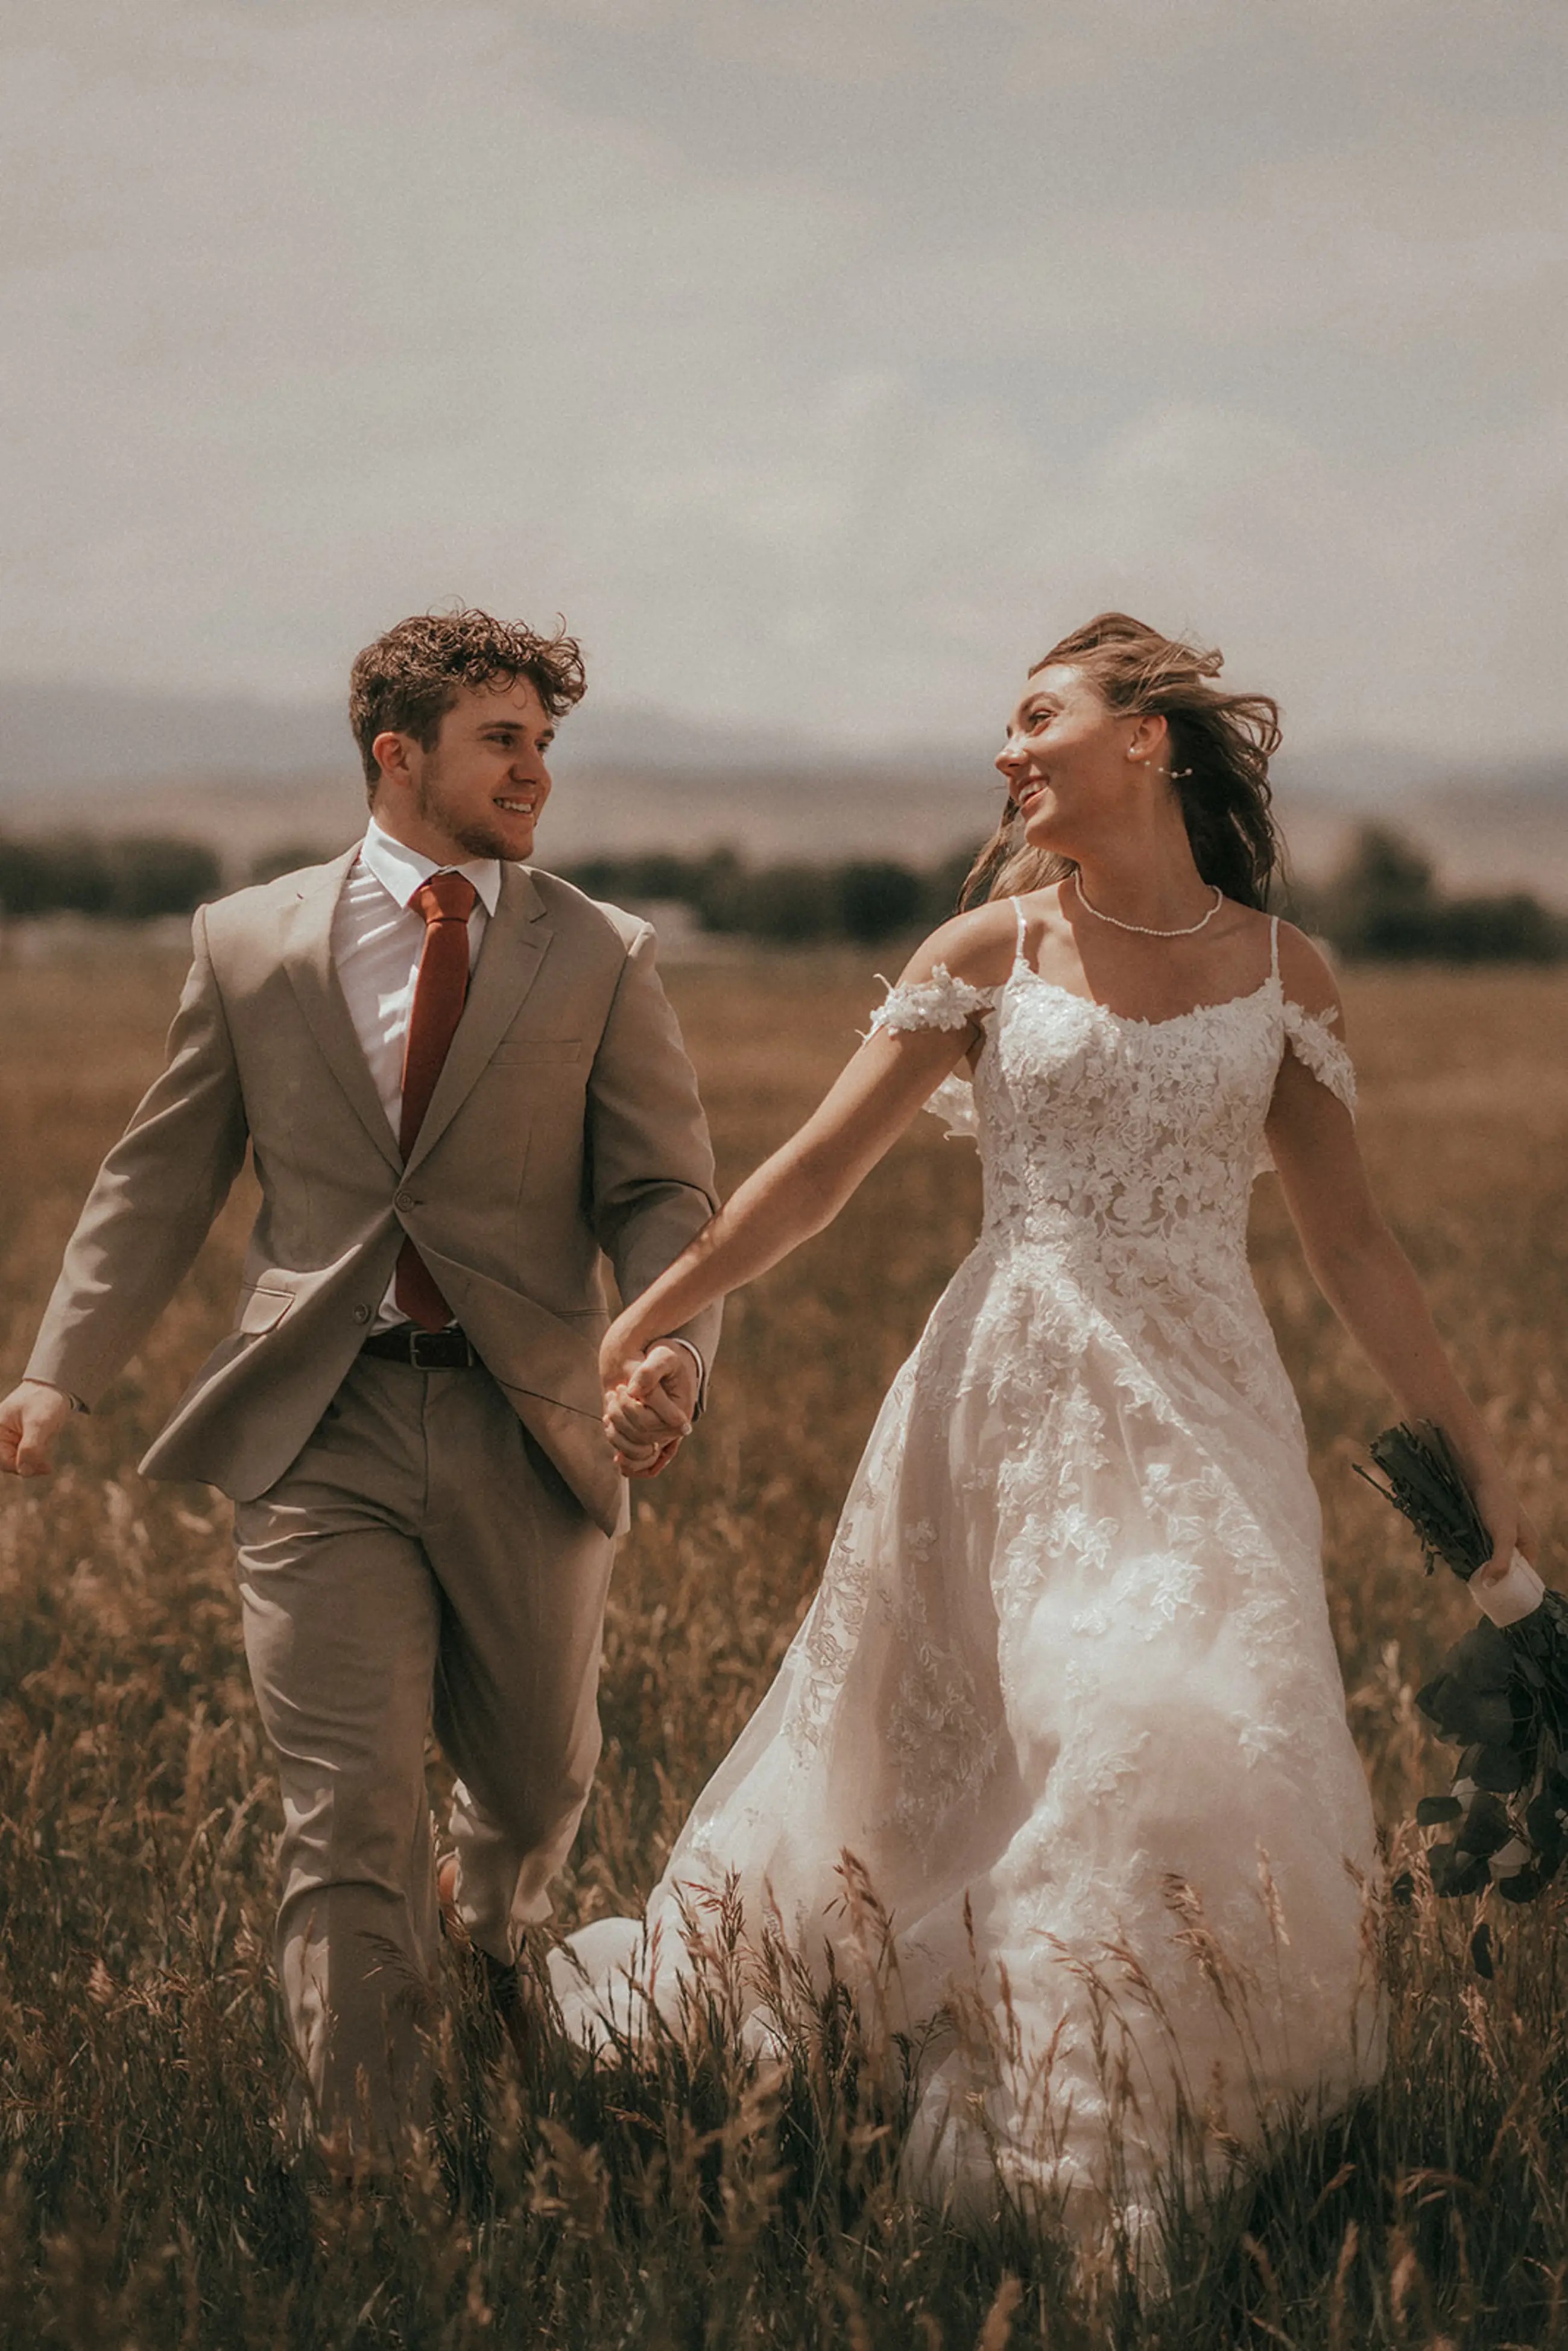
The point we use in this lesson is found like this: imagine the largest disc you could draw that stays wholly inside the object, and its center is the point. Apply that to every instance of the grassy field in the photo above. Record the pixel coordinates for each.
(148, 2196)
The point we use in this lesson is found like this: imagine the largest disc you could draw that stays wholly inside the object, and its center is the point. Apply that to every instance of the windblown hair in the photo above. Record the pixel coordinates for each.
(410, 678)
(1224, 740)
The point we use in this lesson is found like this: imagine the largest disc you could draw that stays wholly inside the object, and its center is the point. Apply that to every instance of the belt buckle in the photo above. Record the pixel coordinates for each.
(441, 1344)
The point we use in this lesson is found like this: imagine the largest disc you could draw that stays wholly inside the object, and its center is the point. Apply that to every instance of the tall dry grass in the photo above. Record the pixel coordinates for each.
(150, 2194)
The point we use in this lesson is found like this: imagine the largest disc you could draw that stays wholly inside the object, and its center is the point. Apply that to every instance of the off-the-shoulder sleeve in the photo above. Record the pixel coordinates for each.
(1308, 1036)
(939, 1002)
(1312, 1041)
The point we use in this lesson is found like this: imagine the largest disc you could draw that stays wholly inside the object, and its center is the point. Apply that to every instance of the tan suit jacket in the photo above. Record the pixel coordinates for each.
(565, 1124)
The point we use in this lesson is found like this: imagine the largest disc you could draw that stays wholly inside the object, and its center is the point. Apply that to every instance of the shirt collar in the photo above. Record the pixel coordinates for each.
(401, 870)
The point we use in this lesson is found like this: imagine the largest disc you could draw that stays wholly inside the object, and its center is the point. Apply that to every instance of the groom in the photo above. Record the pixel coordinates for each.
(460, 1082)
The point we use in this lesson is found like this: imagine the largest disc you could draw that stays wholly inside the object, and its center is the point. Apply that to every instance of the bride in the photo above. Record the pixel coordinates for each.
(1067, 1701)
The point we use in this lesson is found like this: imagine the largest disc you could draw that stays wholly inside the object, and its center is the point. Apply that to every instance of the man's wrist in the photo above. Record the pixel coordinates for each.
(31, 1379)
(670, 1340)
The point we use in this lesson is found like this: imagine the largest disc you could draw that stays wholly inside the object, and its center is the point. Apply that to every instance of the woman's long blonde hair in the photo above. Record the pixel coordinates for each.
(1224, 743)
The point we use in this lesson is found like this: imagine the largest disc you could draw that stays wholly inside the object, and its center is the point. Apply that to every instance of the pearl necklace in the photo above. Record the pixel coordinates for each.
(1145, 930)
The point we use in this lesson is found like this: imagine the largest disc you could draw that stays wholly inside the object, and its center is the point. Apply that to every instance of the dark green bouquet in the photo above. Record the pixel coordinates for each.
(1500, 1695)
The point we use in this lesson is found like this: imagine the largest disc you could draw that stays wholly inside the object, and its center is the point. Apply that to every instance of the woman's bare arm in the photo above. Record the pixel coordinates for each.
(805, 1183)
(1362, 1272)
(803, 1186)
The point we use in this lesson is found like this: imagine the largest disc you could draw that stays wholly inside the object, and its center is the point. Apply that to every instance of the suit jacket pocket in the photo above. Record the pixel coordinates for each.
(537, 1052)
(262, 1309)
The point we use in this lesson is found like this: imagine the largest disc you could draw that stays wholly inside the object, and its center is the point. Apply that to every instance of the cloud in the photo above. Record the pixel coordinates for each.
(817, 363)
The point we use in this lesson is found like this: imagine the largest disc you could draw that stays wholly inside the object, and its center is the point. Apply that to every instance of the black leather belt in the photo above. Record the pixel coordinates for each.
(451, 1349)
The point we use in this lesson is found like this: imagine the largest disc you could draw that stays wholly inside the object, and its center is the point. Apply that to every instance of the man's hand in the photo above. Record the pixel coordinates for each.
(31, 1417)
(648, 1413)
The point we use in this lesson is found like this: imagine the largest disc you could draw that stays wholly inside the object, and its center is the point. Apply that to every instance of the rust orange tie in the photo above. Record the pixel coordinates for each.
(446, 901)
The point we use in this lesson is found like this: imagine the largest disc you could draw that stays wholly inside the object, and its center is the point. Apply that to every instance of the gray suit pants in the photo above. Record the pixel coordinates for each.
(421, 1556)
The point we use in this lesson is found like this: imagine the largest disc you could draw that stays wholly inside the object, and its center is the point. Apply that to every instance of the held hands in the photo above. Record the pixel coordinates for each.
(31, 1418)
(649, 1400)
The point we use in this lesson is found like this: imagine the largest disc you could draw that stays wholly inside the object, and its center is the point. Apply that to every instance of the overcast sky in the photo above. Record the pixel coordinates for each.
(820, 360)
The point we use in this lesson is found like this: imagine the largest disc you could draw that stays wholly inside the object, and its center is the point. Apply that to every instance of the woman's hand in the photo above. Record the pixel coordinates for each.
(1504, 1519)
(620, 1350)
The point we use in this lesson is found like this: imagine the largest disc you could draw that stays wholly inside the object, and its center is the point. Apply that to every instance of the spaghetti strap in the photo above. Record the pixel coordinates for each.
(1024, 930)
(1273, 946)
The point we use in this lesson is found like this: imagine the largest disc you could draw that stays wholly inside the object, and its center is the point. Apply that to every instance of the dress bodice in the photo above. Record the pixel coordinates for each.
(1124, 1149)
(1126, 1136)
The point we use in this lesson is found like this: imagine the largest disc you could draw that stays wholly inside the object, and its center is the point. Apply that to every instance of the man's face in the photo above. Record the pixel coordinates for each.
(479, 791)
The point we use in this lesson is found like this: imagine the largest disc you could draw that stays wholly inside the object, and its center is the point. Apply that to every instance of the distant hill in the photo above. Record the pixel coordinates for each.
(248, 776)
(69, 736)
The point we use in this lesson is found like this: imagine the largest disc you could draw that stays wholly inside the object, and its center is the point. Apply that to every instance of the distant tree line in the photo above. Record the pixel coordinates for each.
(792, 905)
(129, 877)
(1382, 903)
(132, 879)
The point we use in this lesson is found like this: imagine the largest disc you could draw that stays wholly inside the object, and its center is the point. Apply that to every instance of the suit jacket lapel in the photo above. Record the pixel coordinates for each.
(516, 938)
(308, 960)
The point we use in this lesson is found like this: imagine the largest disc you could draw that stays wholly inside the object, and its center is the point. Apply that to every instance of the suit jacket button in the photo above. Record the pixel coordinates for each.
(405, 1200)
(361, 1314)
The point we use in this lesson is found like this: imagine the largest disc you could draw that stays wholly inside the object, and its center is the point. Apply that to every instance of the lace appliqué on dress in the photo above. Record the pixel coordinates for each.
(1308, 1036)
(1315, 1042)
(953, 1103)
(939, 1002)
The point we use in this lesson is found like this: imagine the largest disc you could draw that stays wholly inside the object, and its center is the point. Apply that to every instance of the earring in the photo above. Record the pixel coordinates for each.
(1171, 775)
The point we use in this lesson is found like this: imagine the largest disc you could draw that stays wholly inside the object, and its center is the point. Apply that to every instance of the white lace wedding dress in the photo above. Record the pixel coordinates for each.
(1068, 1692)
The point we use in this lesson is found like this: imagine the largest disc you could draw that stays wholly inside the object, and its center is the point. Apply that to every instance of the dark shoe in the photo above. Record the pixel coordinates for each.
(504, 1990)
(499, 1985)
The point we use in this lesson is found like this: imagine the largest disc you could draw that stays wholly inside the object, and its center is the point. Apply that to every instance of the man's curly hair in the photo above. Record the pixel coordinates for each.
(410, 678)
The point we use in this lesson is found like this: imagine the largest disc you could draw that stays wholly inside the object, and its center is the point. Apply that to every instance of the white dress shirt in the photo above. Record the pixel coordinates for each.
(377, 942)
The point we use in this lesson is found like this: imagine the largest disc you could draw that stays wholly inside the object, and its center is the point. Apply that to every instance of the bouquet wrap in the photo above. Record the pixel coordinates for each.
(1518, 1593)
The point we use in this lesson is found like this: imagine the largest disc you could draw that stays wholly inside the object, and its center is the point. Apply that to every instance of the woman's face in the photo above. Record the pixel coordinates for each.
(1066, 759)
